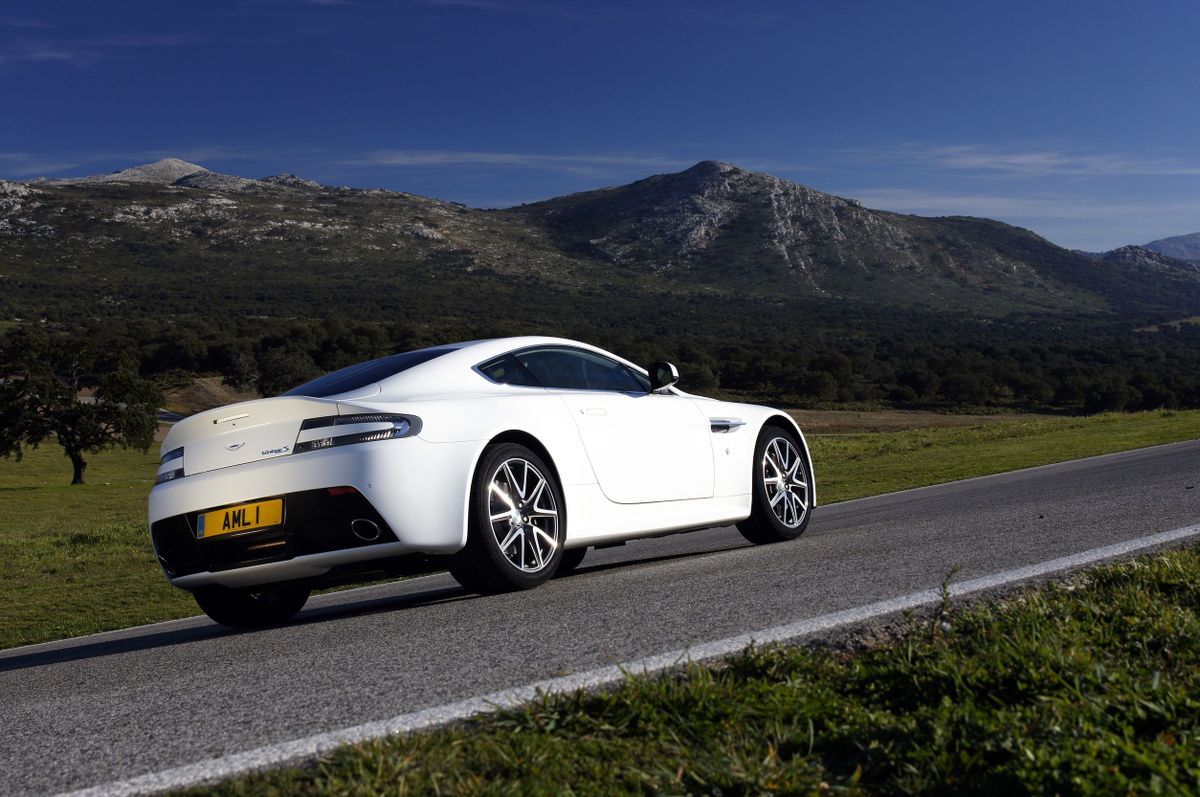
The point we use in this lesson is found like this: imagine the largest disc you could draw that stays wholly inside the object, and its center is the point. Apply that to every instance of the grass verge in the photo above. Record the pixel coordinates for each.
(75, 560)
(856, 465)
(1088, 687)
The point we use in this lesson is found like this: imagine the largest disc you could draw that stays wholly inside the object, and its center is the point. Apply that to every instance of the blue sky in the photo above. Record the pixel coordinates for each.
(1078, 120)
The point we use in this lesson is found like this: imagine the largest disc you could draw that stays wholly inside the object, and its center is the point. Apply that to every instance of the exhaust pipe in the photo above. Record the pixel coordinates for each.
(366, 530)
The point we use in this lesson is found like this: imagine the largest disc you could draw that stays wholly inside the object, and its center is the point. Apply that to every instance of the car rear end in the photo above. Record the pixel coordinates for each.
(292, 488)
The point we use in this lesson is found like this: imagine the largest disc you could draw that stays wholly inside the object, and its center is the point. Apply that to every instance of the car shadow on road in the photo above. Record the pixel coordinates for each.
(645, 561)
(108, 647)
(84, 649)
(379, 605)
(313, 615)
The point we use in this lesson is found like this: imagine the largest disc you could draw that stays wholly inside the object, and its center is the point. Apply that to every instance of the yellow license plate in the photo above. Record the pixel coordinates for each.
(243, 517)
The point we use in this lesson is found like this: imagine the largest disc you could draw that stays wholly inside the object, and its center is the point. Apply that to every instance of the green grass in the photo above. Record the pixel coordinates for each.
(1084, 688)
(853, 466)
(75, 560)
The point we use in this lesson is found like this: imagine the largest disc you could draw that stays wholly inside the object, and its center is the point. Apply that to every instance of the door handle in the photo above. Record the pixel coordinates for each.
(594, 411)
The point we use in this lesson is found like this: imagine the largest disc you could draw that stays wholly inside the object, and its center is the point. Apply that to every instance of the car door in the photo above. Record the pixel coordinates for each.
(644, 447)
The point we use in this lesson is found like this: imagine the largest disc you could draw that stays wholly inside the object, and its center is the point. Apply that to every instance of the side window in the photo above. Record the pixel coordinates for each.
(604, 374)
(581, 370)
(507, 371)
(554, 367)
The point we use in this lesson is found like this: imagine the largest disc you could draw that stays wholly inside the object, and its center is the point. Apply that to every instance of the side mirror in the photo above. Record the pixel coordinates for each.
(662, 376)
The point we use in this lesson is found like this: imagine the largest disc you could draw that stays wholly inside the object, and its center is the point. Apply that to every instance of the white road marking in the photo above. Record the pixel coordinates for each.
(276, 755)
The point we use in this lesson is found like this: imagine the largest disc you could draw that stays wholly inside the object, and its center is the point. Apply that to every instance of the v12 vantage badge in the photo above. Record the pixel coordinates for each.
(502, 461)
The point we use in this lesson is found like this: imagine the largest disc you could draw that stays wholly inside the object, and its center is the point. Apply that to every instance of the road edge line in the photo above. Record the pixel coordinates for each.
(297, 750)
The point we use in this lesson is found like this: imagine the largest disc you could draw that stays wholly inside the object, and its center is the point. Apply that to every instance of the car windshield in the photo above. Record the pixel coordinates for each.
(360, 375)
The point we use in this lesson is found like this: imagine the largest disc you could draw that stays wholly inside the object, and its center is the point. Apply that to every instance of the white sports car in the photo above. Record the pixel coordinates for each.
(501, 460)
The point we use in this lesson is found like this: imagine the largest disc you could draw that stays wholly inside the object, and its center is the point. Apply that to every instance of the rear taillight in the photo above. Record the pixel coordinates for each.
(342, 430)
(170, 466)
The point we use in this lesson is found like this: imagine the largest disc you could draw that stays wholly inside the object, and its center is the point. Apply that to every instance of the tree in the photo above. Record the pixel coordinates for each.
(70, 390)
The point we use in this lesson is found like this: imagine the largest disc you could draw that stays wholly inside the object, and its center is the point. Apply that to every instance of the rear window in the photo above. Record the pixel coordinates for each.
(360, 375)
(507, 371)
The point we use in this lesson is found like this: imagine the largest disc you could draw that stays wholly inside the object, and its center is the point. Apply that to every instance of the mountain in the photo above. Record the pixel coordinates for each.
(1150, 262)
(719, 224)
(161, 172)
(205, 244)
(173, 171)
(173, 237)
(1180, 247)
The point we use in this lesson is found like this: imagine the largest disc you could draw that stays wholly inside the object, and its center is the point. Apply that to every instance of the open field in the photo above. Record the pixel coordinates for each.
(1087, 687)
(203, 393)
(856, 465)
(834, 422)
(75, 560)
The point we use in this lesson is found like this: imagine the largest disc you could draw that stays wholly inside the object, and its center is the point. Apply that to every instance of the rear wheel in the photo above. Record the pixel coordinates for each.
(257, 607)
(781, 483)
(517, 523)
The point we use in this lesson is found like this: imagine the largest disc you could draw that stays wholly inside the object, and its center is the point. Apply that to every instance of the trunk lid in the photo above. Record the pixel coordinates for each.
(245, 432)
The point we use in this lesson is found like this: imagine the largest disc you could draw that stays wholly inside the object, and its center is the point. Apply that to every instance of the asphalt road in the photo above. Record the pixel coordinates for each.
(112, 706)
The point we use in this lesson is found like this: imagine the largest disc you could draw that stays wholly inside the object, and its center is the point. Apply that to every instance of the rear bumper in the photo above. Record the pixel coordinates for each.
(415, 491)
(315, 522)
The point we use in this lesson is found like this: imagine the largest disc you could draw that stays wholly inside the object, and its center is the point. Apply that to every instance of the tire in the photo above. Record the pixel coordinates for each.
(781, 484)
(516, 526)
(256, 607)
(571, 559)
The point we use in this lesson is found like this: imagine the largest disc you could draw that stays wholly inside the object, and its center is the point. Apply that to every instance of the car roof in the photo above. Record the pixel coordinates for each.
(451, 369)
(453, 372)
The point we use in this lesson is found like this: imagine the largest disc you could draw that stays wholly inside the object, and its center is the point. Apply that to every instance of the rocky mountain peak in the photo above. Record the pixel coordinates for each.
(713, 168)
(1144, 259)
(291, 181)
(698, 220)
(719, 173)
(162, 172)
(183, 174)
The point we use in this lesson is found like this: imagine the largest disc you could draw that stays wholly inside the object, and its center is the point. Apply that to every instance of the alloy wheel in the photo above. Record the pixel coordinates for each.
(785, 481)
(523, 514)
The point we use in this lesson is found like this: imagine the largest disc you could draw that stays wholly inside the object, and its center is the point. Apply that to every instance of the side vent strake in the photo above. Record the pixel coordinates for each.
(725, 425)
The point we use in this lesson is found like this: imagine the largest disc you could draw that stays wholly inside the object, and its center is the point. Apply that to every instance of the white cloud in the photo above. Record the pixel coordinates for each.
(1051, 162)
(1034, 162)
(46, 54)
(22, 22)
(84, 52)
(715, 12)
(531, 8)
(24, 164)
(575, 163)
